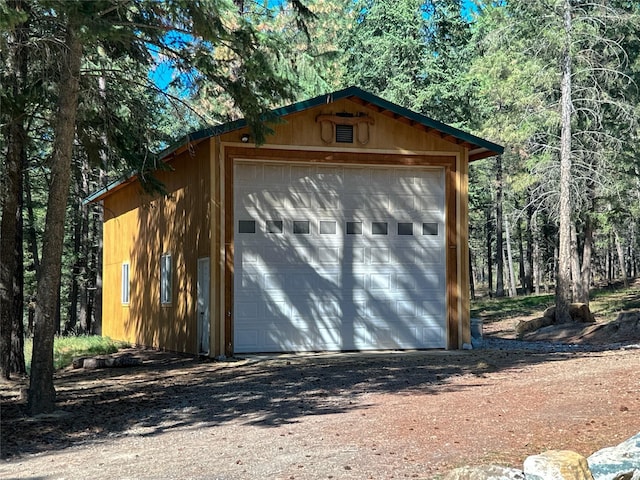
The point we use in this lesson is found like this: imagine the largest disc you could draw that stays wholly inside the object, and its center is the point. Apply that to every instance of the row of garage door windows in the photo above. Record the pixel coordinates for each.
(329, 227)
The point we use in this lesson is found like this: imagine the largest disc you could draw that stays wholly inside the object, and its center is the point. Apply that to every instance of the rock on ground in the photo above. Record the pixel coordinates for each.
(485, 472)
(621, 462)
(557, 465)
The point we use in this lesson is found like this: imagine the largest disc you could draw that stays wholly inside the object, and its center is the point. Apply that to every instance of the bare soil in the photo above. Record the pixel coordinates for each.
(342, 416)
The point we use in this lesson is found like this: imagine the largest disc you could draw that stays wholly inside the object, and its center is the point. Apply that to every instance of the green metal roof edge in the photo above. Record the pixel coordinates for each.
(338, 95)
(190, 137)
(323, 99)
(419, 118)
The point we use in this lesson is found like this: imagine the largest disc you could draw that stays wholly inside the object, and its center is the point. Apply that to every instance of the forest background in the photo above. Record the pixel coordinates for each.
(92, 91)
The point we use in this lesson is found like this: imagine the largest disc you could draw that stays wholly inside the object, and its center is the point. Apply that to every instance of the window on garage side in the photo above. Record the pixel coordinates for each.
(166, 274)
(274, 226)
(405, 228)
(125, 289)
(246, 226)
(430, 229)
(379, 228)
(301, 227)
(354, 228)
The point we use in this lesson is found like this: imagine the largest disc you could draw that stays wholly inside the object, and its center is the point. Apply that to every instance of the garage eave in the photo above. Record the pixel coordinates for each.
(478, 147)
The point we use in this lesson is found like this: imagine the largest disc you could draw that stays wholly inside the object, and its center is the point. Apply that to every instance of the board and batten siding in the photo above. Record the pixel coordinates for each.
(139, 229)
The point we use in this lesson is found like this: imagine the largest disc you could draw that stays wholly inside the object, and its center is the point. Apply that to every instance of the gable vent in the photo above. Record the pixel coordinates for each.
(344, 133)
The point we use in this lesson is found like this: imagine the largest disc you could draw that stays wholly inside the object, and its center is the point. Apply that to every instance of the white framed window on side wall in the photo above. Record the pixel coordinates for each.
(166, 275)
(125, 288)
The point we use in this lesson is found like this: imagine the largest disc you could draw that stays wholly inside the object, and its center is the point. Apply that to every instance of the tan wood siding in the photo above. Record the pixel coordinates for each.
(138, 229)
(302, 130)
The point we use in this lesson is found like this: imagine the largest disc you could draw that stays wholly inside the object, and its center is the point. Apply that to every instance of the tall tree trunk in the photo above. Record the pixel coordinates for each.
(32, 240)
(41, 389)
(585, 272)
(499, 242)
(528, 264)
(576, 284)
(521, 259)
(472, 283)
(609, 259)
(10, 195)
(84, 314)
(17, 331)
(96, 270)
(513, 290)
(563, 279)
(621, 262)
(536, 270)
(70, 325)
(489, 228)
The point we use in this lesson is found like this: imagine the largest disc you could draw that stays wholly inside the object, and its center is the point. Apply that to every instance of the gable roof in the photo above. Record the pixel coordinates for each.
(478, 147)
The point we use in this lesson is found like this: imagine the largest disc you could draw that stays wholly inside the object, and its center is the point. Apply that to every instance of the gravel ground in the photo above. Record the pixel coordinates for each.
(549, 347)
(342, 416)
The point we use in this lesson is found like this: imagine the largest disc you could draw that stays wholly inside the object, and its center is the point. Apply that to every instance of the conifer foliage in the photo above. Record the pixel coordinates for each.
(76, 96)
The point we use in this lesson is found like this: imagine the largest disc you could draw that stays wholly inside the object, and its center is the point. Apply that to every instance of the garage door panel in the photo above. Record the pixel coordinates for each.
(328, 201)
(331, 337)
(380, 281)
(277, 309)
(247, 340)
(380, 256)
(432, 312)
(405, 256)
(247, 310)
(405, 204)
(354, 256)
(276, 340)
(298, 200)
(431, 337)
(325, 281)
(430, 205)
(406, 308)
(431, 257)
(381, 309)
(248, 175)
(275, 174)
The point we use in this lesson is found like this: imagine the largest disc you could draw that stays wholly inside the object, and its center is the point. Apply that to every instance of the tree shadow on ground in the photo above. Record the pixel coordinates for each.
(170, 391)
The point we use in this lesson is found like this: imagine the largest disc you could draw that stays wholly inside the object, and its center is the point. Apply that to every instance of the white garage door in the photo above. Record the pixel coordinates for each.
(338, 258)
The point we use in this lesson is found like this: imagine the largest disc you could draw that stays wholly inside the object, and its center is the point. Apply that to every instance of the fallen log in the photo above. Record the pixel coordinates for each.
(105, 361)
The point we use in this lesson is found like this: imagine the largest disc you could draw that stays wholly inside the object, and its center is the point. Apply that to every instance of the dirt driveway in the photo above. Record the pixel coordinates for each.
(341, 416)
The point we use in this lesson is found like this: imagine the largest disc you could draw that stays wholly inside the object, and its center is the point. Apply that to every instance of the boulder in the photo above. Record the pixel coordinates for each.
(632, 316)
(557, 465)
(613, 463)
(526, 326)
(485, 472)
(621, 462)
(579, 313)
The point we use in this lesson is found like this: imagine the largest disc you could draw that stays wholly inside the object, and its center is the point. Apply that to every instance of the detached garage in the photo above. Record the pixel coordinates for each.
(346, 230)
